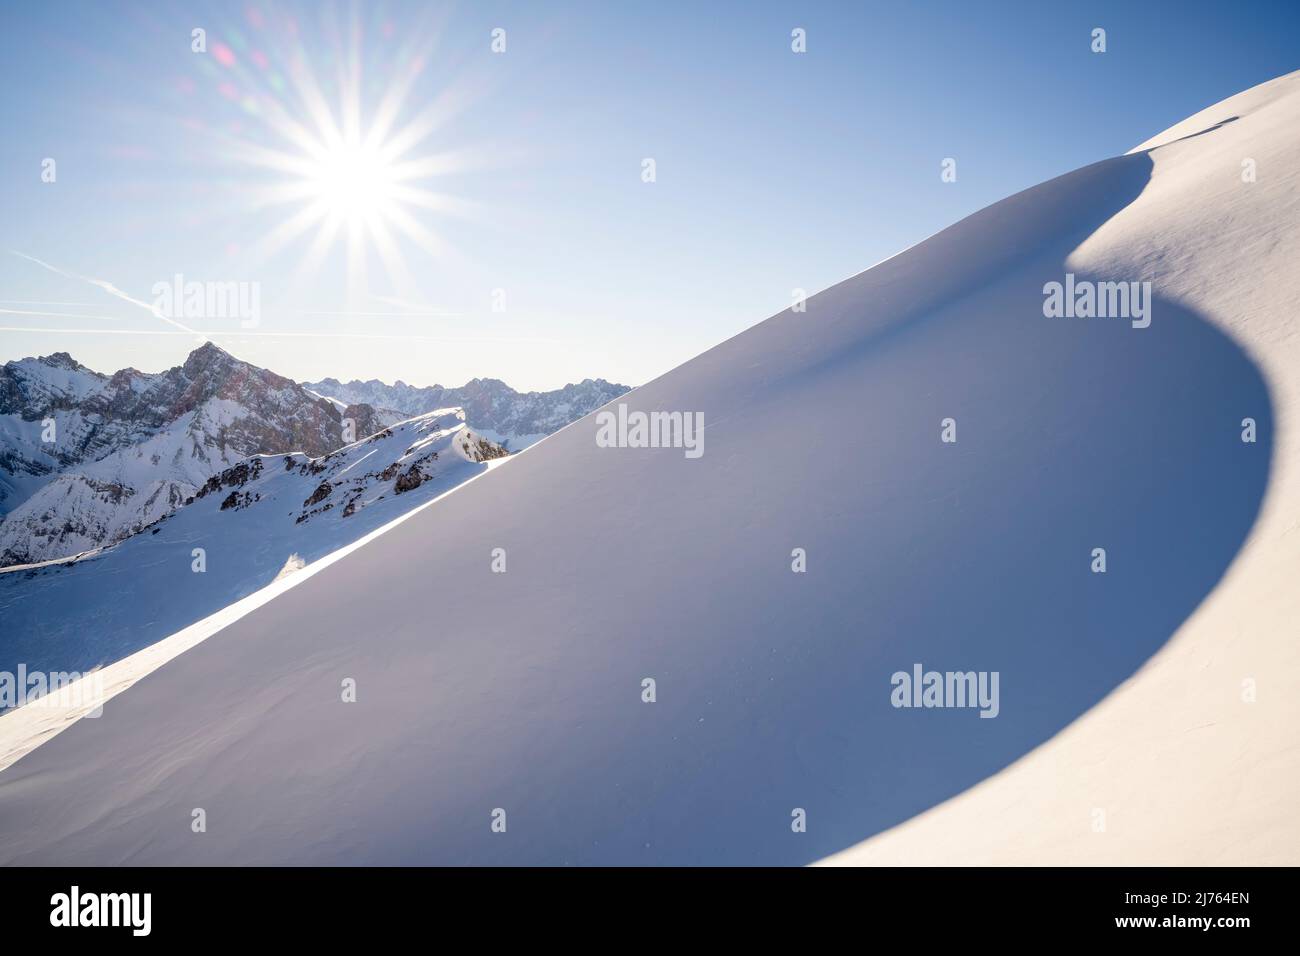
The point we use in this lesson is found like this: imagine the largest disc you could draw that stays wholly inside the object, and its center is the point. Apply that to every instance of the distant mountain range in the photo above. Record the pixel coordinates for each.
(513, 419)
(88, 459)
(260, 519)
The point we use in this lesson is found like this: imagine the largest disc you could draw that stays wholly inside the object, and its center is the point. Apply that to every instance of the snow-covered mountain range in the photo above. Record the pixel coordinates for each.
(87, 459)
(262, 518)
(513, 419)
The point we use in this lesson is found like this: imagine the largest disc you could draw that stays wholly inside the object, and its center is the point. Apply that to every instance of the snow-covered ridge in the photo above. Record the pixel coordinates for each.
(87, 459)
(396, 460)
(253, 521)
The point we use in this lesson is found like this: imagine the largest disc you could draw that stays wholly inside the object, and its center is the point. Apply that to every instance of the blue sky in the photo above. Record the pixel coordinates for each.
(774, 170)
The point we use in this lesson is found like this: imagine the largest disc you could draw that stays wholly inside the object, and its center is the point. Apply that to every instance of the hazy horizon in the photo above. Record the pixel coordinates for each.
(346, 380)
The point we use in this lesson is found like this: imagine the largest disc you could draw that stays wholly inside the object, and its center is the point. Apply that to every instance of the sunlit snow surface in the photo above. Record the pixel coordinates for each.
(522, 691)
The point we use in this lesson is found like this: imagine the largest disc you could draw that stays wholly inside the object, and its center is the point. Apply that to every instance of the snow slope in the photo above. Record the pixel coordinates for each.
(1194, 759)
(261, 518)
(480, 691)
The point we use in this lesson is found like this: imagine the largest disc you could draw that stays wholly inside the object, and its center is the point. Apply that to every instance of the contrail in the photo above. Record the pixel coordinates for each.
(243, 334)
(26, 328)
(61, 315)
(113, 291)
(207, 337)
(84, 305)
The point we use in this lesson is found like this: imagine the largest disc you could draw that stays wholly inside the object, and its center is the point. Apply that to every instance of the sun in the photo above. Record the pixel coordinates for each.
(349, 170)
(354, 183)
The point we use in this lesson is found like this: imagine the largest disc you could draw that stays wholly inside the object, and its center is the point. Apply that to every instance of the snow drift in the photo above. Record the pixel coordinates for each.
(522, 692)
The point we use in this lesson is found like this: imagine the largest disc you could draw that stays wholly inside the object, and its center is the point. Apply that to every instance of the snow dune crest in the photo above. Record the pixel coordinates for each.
(773, 686)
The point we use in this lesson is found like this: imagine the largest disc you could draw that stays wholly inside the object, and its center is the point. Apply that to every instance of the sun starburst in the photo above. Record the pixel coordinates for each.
(345, 178)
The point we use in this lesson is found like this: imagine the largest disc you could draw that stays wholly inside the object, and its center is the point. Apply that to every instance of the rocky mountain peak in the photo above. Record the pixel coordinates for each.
(61, 360)
(205, 357)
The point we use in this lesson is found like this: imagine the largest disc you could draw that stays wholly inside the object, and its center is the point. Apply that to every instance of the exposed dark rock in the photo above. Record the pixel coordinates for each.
(320, 494)
(410, 479)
